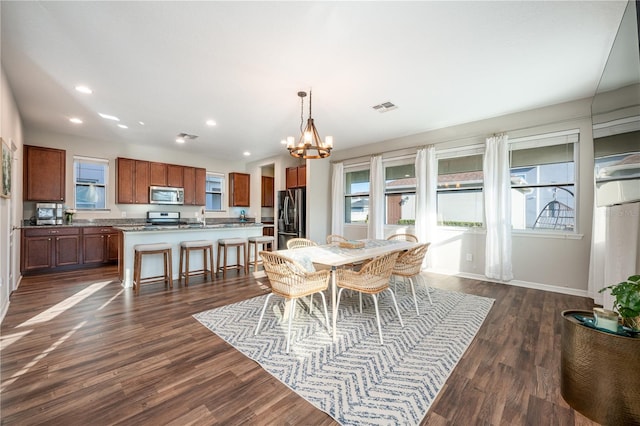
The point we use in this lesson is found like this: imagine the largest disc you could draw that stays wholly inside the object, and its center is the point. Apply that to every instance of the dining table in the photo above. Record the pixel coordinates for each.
(337, 255)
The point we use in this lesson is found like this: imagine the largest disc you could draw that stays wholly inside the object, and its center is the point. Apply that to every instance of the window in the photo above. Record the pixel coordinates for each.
(90, 176)
(543, 182)
(460, 182)
(214, 191)
(356, 203)
(617, 167)
(400, 194)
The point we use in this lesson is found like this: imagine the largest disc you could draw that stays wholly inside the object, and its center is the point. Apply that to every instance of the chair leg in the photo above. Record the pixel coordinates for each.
(413, 292)
(291, 315)
(186, 275)
(326, 312)
(310, 304)
(360, 297)
(426, 285)
(180, 265)
(375, 303)
(393, 296)
(264, 308)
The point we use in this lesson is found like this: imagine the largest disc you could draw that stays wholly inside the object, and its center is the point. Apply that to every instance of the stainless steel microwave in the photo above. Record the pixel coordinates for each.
(48, 214)
(166, 195)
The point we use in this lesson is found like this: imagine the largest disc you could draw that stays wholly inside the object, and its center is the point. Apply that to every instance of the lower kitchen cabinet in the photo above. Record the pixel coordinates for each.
(50, 248)
(100, 245)
(65, 248)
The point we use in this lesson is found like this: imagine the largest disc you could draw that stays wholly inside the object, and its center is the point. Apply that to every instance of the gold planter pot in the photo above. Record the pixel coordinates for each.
(633, 323)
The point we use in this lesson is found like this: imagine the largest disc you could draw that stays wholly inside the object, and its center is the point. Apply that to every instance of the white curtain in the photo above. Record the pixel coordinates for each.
(376, 199)
(337, 199)
(426, 190)
(421, 196)
(497, 205)
(615, 248)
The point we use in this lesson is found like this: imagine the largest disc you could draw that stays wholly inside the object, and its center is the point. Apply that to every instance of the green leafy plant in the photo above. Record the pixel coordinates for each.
(627, 297)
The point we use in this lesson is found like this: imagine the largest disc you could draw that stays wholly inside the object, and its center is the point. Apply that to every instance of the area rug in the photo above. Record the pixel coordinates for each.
(356, 380)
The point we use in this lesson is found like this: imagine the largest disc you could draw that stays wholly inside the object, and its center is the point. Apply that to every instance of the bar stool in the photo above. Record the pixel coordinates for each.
(226, 244)
(140, 250)
(263, 241)
(186, 247)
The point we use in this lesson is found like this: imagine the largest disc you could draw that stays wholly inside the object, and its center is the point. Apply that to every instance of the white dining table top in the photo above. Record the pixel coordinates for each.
(334, 255)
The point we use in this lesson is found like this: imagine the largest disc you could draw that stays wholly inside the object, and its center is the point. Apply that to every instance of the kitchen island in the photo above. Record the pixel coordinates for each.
(174, 235)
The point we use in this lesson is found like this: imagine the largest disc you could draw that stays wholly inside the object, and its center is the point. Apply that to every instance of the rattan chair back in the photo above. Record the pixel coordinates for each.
(372, 278)
(295, 243)
(289, 279)
(409, 263)
(404, 237)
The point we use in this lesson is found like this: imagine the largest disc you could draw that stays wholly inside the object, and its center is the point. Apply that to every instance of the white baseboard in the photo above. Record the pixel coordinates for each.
(517, 283)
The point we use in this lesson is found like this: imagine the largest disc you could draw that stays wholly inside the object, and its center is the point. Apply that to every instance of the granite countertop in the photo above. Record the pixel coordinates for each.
(144, 226)
(191, 226)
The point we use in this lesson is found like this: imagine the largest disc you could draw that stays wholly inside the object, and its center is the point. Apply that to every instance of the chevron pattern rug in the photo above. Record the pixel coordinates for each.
(354, 379)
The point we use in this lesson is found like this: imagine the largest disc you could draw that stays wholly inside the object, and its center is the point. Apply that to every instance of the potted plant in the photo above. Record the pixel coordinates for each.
(627, 300)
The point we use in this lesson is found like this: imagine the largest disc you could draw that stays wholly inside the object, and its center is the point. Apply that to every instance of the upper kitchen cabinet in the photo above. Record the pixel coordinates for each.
(296, 176)
(267, 191)
(133, 181)
(239, 189)
(194, 183)
(44, 174)
(157, 174)
(175, 176)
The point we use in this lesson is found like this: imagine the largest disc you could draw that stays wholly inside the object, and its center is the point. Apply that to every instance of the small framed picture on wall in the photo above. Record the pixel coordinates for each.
(5, 184)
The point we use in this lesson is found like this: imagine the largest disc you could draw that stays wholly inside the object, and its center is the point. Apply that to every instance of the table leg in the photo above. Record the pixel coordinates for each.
(334, 300)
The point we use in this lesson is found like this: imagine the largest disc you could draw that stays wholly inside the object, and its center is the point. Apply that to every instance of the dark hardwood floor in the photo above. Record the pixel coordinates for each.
(77, 348)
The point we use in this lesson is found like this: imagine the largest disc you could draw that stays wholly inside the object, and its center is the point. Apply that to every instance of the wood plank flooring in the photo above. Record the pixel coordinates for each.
(77, 348)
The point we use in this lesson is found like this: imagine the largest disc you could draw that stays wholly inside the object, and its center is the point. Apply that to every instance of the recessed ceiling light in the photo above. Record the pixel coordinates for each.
(84, 89)
(141, 123)
(246, 153)
(283, 141)
(211, 123)
(75, 120)
(122, 126)
(180, 139)
(108, 117)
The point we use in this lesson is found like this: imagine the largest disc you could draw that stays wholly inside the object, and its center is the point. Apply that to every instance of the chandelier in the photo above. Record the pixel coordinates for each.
(310, 146)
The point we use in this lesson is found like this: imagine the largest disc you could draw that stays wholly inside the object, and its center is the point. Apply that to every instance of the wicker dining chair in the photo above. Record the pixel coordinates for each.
(408, 266)
(291, 280)
(295, 243)
(404, 237)
(335, 238)
(372, 278)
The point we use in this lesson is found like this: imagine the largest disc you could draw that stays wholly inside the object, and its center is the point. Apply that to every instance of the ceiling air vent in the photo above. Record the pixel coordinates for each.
(183, 137)
(384, 107)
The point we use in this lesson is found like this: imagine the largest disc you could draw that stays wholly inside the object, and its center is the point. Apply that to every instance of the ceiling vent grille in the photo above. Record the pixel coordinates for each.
(187, 136)
(384, 107)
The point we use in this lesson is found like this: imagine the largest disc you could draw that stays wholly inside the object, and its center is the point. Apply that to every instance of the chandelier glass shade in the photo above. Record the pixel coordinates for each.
(310, 145)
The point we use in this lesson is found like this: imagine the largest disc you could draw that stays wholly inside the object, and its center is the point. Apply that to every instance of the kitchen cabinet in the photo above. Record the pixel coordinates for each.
(175, 176)
(239, 189)
(50, 248)
(100, 245)
(157, 174)
(268, 230)
(162, 174)
(133, 181)
(44, 174)
(267, 191)
(296, 176)
(194, 186)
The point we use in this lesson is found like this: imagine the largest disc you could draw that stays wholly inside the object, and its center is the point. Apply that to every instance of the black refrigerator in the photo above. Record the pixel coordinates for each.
(292, 218)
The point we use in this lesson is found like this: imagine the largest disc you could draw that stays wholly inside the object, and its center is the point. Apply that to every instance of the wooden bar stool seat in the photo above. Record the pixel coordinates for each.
(224, 244)
(186, 247)
(140, 250)
(263, 241)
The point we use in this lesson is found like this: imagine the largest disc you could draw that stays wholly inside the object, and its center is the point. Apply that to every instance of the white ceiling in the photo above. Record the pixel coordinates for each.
(173, 65)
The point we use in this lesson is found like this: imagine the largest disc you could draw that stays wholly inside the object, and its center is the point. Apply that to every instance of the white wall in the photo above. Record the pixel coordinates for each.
(10, 209)
(552, 262)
